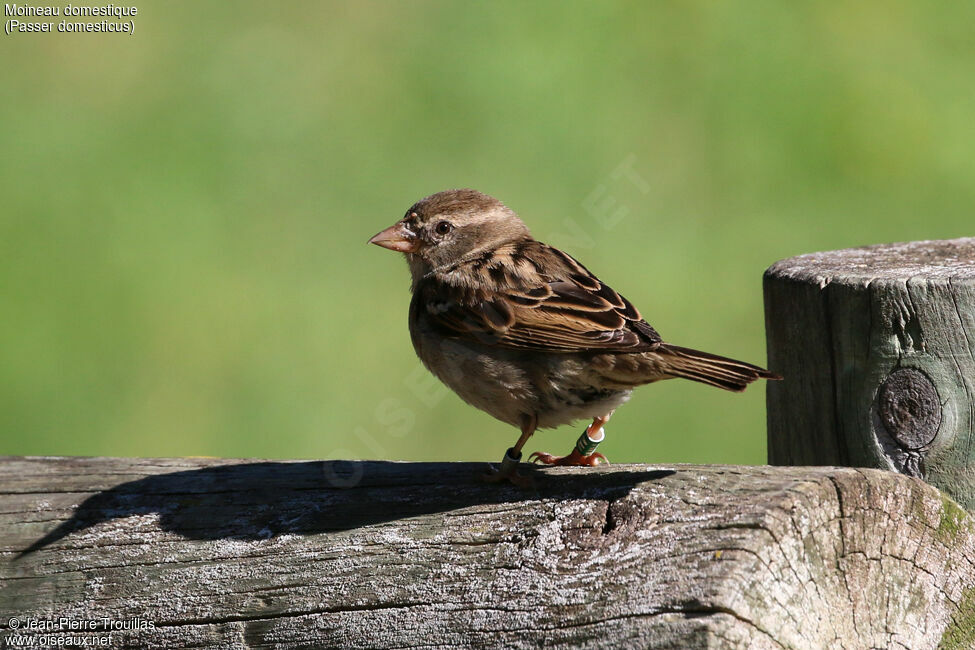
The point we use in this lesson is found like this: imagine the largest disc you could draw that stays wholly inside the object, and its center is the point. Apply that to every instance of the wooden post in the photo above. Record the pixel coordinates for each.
(204, 553)
(877, 347)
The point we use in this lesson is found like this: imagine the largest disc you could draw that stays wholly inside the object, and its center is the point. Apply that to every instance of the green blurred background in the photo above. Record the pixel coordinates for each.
(183, 267)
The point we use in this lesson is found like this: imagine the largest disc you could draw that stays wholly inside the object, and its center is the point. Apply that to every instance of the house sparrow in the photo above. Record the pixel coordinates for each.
(524, 332)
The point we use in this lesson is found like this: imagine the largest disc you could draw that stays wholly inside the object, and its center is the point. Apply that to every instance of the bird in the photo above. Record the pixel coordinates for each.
(523, 331)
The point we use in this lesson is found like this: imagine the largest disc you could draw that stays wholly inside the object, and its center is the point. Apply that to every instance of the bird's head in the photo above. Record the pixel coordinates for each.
(449, 227)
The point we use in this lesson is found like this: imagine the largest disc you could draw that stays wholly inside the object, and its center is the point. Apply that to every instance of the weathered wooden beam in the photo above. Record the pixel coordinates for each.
(223, 553)
(877, 346)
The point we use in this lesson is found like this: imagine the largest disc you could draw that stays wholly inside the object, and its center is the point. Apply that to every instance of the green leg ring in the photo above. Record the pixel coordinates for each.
(586, 445)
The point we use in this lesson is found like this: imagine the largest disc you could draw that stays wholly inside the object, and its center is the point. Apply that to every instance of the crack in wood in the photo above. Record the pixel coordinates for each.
(767, 557)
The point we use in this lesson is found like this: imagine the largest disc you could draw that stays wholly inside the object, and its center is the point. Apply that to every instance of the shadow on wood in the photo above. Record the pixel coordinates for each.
(250, 501)
(218, 554)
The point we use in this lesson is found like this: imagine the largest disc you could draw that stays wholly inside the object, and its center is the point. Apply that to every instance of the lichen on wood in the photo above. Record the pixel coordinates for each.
(222, 553)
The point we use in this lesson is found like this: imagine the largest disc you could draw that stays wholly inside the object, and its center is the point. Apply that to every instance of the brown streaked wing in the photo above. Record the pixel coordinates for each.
(563, 308)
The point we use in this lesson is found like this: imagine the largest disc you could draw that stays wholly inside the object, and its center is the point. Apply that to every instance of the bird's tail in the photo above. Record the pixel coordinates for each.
(710, 368)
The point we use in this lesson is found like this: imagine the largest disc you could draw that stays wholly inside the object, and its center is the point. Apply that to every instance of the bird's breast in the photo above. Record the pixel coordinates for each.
(507, 384)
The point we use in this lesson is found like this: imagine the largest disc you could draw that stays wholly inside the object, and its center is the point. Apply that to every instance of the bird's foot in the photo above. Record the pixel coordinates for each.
(584, 453)
(573, 459)
(508, 472)
(517, 479)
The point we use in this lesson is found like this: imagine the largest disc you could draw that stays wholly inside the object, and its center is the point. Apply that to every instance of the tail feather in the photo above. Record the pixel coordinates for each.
(711, 369)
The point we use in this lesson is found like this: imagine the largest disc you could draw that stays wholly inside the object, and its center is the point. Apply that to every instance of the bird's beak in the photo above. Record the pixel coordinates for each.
(397, 238)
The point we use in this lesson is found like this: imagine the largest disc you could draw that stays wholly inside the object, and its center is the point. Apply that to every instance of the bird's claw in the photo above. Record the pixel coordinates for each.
(518, 479)
(573, 459)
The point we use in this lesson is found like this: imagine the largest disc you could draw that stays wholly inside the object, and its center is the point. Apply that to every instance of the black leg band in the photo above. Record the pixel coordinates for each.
(510, 461)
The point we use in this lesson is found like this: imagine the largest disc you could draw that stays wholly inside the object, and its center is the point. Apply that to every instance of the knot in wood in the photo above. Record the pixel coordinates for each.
(909, 408)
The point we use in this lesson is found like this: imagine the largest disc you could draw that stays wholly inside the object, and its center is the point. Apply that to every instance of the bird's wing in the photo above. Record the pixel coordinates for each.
(527, 295)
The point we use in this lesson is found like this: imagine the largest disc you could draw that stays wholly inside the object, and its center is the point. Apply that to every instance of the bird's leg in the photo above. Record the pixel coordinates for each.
(512, 457)
(584, 453)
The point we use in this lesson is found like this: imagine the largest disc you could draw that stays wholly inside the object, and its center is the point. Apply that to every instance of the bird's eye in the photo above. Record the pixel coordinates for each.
(443, 227)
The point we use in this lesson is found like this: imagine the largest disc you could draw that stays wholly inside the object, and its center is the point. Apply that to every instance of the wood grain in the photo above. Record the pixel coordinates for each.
(877, 346)
(224, 553)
